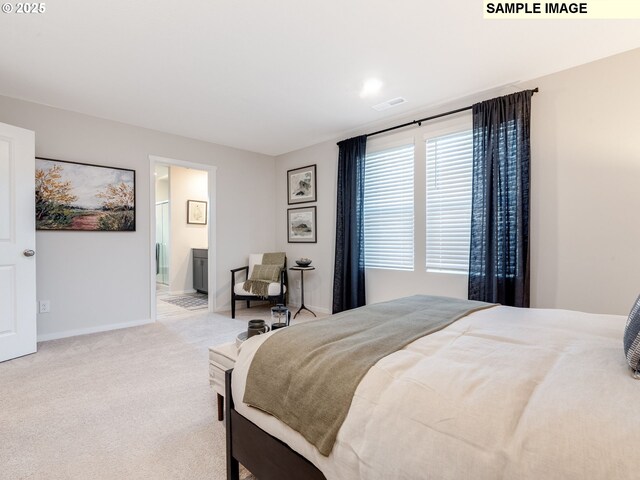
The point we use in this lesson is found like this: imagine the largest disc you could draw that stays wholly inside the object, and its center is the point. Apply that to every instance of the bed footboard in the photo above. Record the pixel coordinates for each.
(264, 455)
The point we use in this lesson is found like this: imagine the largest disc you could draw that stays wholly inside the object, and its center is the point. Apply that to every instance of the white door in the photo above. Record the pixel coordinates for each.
(17, 243)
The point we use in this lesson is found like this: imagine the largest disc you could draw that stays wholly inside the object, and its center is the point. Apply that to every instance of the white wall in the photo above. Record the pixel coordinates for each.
(585, 233)
(585, 172)
(584, 230)
(186, 184)
(319, 282)
(97, 279)
(162, 183)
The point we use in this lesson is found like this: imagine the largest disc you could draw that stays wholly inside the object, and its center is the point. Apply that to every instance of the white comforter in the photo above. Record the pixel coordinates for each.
(504, 393)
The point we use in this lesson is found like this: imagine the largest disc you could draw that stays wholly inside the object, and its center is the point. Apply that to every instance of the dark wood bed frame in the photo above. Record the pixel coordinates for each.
(263, 455)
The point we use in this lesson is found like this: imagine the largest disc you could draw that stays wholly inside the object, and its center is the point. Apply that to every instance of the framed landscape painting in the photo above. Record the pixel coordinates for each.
(301, 225)
(84, 197)
(301, 185)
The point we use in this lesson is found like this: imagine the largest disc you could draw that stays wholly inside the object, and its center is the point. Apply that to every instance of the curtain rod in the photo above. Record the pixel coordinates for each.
(426, 119)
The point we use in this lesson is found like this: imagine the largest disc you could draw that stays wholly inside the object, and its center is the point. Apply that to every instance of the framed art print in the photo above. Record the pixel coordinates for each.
(301, 225)
(301, 185)
(84, 197)
(196, 212)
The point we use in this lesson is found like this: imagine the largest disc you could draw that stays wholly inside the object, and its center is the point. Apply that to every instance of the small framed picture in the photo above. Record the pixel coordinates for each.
(196, 212)
(301, 225)
(301, 185)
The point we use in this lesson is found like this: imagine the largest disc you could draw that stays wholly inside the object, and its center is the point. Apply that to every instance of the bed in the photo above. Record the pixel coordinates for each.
(499, 393)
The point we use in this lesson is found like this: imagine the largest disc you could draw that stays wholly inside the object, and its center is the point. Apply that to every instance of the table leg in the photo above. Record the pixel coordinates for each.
(302, 307)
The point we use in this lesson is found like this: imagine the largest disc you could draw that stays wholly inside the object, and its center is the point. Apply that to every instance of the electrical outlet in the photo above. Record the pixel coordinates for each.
(44, 306)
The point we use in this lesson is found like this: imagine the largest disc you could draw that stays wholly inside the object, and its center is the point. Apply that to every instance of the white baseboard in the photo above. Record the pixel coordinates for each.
(84, 331)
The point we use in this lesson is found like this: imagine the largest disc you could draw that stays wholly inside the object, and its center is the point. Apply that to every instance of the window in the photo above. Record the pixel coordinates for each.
(449, 173)
(388, 208)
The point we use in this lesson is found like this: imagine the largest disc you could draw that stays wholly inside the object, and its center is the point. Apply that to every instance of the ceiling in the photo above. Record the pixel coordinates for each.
(273, 77)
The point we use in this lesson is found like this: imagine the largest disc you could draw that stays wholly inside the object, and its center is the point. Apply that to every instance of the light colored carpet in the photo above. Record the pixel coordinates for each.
(127, 404)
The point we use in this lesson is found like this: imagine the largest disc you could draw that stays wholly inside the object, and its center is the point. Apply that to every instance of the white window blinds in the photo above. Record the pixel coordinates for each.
(388, 208)
(449, 169)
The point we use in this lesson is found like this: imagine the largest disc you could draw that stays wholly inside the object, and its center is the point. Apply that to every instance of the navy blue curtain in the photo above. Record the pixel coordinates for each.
(348, 279)
(499, 253)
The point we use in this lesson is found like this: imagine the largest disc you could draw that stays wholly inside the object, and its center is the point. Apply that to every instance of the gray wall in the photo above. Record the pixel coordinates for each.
(96, 280)
(585, 177)
(319, 282)
(585, 174)
(586, 166)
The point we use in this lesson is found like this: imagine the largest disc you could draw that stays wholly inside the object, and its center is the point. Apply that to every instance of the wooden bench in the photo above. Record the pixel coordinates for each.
(221, 358)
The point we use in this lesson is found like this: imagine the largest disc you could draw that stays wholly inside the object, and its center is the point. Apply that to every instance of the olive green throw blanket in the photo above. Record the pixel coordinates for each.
(306, 375)
(265, 273)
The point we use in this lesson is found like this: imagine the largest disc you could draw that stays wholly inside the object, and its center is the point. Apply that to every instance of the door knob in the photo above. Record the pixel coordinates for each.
(28, 253)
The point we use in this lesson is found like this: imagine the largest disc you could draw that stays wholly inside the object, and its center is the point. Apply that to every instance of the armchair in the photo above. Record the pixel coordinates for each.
(276, 292)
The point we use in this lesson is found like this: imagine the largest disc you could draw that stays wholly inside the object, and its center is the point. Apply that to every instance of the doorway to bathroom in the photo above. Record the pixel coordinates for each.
(182, 216)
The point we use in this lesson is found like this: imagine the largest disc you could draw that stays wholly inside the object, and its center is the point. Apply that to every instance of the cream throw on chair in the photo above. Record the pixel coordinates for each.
(243, 289)
(264, 274)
